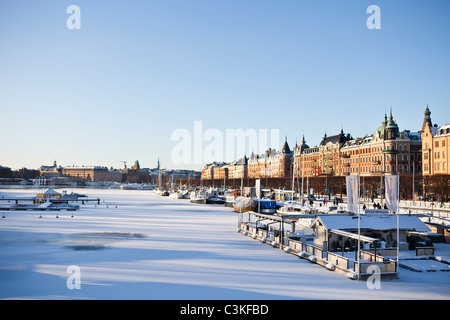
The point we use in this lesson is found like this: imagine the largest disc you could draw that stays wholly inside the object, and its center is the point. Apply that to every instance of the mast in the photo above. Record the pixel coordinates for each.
(398, 215)
(303, 172)
(359, 232)
(293, 184)
(413, 195)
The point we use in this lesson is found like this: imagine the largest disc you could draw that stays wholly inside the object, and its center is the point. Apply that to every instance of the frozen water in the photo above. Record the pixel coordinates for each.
(153, 247)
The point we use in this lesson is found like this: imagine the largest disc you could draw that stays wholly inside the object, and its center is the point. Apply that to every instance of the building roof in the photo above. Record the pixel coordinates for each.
(286, 149)
(381, 223)
(340, 138)
(50, 191)
(443, 130)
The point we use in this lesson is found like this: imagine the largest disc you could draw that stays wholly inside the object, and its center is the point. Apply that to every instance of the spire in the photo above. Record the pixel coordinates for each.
(427, 112)
(286, 148)
(427, 118)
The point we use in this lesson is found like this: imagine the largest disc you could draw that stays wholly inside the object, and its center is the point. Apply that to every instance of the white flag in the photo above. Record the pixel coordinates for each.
(352, 193)
(391, 192)
(258, 188)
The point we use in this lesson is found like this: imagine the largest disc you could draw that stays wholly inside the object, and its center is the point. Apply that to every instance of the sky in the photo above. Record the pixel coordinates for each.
(135, 72)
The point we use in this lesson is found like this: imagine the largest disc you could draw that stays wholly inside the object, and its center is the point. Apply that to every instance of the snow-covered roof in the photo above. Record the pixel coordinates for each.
(443, 130)
(50, 191)
(384, 222)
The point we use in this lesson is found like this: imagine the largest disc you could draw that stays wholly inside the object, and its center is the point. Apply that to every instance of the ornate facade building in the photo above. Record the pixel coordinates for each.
(435, 146)
(386, 151)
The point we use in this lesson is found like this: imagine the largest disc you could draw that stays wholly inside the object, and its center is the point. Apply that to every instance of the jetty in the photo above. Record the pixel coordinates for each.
(46, 200)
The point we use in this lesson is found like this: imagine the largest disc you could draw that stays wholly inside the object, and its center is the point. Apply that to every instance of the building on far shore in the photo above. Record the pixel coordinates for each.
(435, 147)
(95, 173)
(51, 171)
(388, 150)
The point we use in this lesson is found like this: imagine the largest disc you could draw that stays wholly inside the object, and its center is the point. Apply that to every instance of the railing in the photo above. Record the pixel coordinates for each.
(369, 256)
(385, 266)
(384, 252)
(338, 260)
(424, 204)
(296, 245)
(313, 250)
(424, 251)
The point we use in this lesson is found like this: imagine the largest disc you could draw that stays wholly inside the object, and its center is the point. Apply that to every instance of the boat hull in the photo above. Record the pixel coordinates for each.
(243, 209)
(198, 201)
(216, 201)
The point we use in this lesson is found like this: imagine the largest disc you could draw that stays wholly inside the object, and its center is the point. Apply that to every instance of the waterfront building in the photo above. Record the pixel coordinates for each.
(386, 151)
(238, 169)
(133, 174)
(435, 146)
(51, 171)
(5, 172)
(91, 174)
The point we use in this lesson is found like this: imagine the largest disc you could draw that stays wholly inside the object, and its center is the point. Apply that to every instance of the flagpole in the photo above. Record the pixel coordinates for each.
(359, 233)
(303, 171)
(398, 218)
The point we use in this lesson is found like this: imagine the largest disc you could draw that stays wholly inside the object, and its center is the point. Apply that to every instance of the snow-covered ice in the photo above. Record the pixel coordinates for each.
(154, 247)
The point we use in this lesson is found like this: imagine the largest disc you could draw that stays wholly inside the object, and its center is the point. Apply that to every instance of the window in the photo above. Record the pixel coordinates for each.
(436, 144)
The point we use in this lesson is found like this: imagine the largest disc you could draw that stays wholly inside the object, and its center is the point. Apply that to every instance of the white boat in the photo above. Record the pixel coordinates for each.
(198, 196)
(231, 197)
(136, 186)
(176, 195)
(186, 194)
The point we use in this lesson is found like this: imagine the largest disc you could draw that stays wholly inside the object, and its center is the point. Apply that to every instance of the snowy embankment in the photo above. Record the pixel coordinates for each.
(153, 247)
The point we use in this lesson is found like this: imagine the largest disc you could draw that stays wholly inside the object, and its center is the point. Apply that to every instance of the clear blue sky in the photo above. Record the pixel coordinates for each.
(137, 70)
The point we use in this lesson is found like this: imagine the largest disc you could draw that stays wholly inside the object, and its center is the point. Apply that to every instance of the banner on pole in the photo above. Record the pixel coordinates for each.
(258, 188)
(391, 192)
(352, 193)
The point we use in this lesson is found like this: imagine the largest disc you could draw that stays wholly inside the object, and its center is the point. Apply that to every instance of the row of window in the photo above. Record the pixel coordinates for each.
(438, 166)
(437, 144)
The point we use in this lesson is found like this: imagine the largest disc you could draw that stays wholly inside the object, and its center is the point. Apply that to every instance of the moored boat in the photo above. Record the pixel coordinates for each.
(266, 205)
(176, 195)
(198, 197)
(243, 204)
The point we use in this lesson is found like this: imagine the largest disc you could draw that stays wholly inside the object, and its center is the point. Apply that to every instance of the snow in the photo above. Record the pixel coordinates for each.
(425, 265)
(154, 247)
(374, 222)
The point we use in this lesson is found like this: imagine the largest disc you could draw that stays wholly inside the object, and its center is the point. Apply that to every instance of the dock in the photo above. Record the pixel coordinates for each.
(48, 200)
